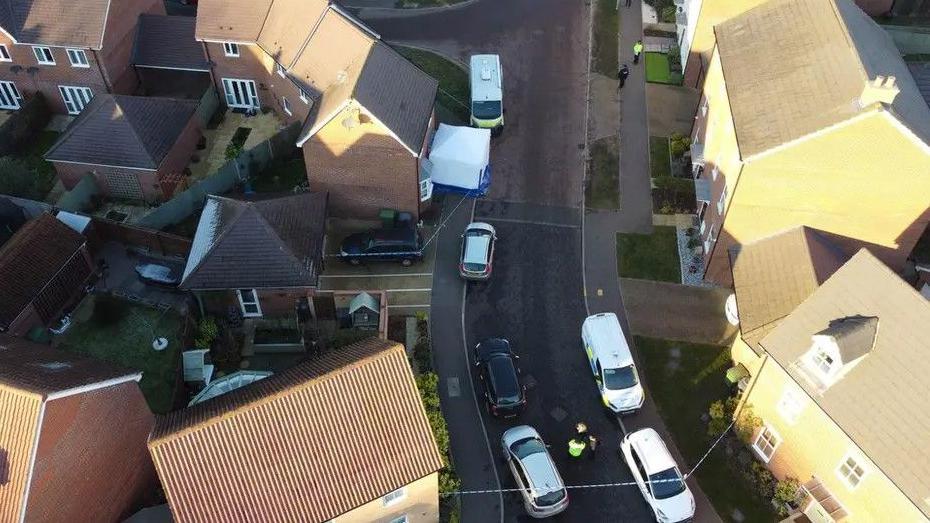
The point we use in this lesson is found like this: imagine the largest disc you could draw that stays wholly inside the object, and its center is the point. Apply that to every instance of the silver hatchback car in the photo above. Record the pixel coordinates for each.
(477, 251)
(544, 492)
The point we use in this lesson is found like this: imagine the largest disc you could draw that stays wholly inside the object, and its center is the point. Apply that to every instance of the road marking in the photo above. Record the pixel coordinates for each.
(600, 292)
(529, 222)
(425, 305)
(454, 390)
(397, 275)
(426, 289)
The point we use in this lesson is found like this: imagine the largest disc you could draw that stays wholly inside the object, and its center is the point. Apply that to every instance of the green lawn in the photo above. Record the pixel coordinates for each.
(121, 332)
(659, 160)
(606, 27)
(649, 256)
(683, 388)
(657, 69)
(453, 80)
(603, 189)
(281, 177)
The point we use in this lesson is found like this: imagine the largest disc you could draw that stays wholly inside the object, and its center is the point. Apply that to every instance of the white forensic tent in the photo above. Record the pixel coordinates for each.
(460, 159)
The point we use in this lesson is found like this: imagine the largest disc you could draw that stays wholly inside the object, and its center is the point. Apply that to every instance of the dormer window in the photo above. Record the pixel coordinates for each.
(838, 348)
(824, 362)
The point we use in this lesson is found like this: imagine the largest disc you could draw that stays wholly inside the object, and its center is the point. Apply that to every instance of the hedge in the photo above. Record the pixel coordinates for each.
(23, 125)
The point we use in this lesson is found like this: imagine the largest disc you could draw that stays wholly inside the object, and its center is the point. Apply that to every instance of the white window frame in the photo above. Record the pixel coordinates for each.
(80, 55)
(247, 86)
(231, 49)
(304, 96)
(394, 497)
(709, 241)
(243, 303)
(286, 106)
(400, 519)
(722, 202)
(825, 368)
(844, 476)
(773, 441)
(10, 93)
(714, 172)
(5, 55)
(791, 403)
(46, 58)
(278, 68)
(73, 92)
(704, 107)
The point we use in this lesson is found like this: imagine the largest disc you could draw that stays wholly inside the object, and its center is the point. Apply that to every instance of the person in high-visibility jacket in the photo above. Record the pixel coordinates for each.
(576, 446)
(637, 50)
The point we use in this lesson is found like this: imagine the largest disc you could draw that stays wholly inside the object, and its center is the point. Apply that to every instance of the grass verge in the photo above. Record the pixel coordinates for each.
(454, 92)
(684, 379)
(122, 332)
(657, 69)
(659, 160)
(606, 29)
(603, 189)
(649, 256)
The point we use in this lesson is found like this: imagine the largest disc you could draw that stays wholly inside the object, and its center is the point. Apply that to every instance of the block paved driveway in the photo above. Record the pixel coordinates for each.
(536, 295)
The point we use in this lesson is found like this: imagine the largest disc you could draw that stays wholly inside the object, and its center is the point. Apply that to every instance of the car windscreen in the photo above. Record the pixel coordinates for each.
(527, 447)
(477, 245)
(666, 484)
(486, 110)
(620, 378)
(550, 498)
(504, 379)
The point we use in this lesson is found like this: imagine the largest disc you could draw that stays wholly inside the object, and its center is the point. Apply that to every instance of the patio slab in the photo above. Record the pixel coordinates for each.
(213, 157)
(121, 278)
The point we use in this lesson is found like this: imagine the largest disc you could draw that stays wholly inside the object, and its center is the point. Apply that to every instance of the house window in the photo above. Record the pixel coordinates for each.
(278, 68)
(714, 172)
(766, 442)
(722, 203)
(402, 519)
(851, 471)
(248, 301)
(709, 241)
(286, 105)
(704, 107)
(43, 55)
(78, 58)
(231, 49)
(5, 54)
(9, 96)
(791, 404)
(394, 497)
(304, 97)
(823, 361)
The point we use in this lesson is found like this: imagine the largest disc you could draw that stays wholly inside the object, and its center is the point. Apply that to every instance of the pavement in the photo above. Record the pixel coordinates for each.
(537, 295)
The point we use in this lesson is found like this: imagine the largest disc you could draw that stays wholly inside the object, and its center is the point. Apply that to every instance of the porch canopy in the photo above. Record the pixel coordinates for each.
(460, 159)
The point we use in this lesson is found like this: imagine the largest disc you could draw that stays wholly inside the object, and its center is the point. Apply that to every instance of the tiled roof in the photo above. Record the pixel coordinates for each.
(75, 23)
(258, 244)
(30, 260)
(79, 427)
(168, 42)
(883, 402)
(124, 131)
(288, 24)
(794, 67)
(336, 47)
(773, 275)
(351, 421)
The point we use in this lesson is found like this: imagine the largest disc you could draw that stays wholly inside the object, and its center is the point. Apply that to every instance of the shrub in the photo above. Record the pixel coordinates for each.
(207, 331)
(679, 144)
(23, 125)
(760, 478)
(428, 385)
(667, 14)
(422, 356)
(787, 494)
(17, 179)
(693, 242)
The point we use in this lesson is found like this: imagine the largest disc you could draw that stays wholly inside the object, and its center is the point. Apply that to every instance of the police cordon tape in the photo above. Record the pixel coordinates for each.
(600, 485)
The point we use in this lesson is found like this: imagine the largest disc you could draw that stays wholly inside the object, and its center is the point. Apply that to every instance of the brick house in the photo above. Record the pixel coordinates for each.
(830, 132)
(73, 437)
(135, 147)
(834, 357)
(231, 458)
(263, 256)
(367, 112)
(695, 23)
(68, 51)
(43, 269)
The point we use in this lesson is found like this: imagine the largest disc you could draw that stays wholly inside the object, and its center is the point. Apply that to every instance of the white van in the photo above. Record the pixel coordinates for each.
(612, 363)
(487, 94)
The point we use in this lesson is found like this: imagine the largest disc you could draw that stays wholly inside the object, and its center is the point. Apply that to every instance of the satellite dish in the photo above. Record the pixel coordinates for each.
(731, 311)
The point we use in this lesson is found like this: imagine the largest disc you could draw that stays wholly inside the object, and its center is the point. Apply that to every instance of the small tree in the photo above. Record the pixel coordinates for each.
(17, 179)
(207, 331)
(787, 495)
(679, 144)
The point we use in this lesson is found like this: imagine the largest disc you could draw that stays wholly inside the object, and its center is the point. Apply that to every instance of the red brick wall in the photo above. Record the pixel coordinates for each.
(179, 156)
(118, 40)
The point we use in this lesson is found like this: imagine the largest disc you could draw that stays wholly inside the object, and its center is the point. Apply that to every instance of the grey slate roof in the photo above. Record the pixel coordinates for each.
(273, 243)
(854, 335)
(168, 42)
(124, 131)
(66, 23)
(921, 73)
(883, 403)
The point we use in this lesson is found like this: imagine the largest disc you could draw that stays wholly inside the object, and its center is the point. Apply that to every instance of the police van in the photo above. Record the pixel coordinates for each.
(487, 95)
(612, 363)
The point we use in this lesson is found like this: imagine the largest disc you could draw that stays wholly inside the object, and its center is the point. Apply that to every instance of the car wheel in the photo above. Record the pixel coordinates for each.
(355, 261)
(406, 262)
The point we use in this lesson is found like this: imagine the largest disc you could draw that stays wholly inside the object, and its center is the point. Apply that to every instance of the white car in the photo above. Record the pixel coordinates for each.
(658, 477)
(544, 492)
(612, 363)
(477, 251)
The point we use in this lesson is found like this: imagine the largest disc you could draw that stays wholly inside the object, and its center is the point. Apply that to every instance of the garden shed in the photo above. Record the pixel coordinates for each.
(364, 311)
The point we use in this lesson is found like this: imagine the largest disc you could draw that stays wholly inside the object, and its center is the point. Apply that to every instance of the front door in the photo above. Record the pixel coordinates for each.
(240, 93)
(817, 513)
(9, 96)
(75, 98)
(248, 301)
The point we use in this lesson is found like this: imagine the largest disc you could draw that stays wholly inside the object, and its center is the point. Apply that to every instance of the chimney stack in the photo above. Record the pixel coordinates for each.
(883, 90)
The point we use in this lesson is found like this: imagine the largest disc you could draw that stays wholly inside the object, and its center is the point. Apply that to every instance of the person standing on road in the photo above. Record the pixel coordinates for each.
(576, 446)
(592, 446)
(622, 75)
(637, 50)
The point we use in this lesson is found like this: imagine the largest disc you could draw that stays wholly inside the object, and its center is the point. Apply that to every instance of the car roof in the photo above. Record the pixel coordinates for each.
(491, 346)
(503, 376)
(480, 226)
(476, 249)
(485, 77)
(541, 473)
(651, 450)
(399, 235)
(607, 340)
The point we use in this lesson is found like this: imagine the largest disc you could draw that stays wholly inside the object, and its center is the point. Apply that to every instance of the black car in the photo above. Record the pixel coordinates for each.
(403, 244)
(500, 377)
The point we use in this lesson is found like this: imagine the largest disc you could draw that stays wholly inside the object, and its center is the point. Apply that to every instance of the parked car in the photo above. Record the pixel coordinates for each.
(612, 363)
(157, 274)
(544, 493)
(477, 251)
(402, 244)
(500, 377)
(657, 476)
